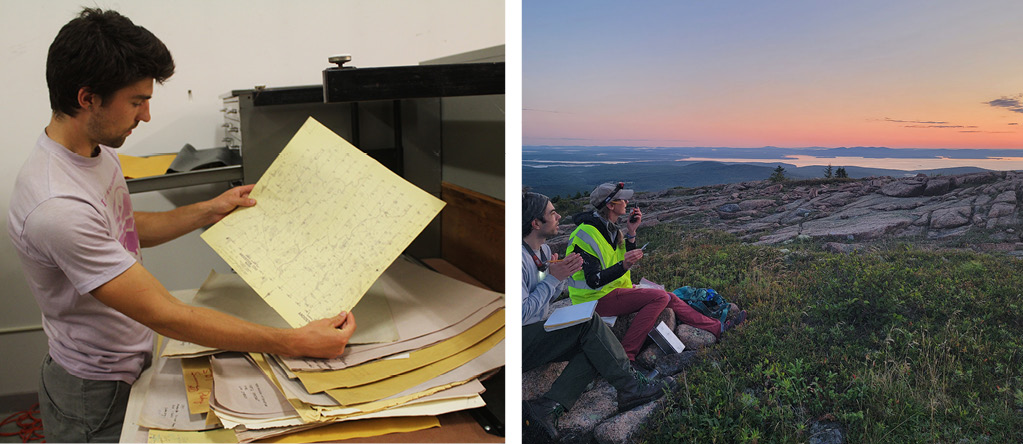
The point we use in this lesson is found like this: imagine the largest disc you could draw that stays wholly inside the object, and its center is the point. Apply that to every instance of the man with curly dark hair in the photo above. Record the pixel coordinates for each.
(78, 237)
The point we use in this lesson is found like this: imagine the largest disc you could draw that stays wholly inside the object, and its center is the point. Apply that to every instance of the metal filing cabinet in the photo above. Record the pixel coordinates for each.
(392, 113)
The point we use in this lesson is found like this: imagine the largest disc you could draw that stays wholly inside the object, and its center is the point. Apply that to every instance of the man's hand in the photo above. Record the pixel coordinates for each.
(325, 338)
(631, 257)
(224, 204)
(565, 268)
(157, 228)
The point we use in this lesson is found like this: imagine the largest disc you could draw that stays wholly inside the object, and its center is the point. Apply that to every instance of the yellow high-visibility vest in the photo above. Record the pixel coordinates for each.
(587, 238)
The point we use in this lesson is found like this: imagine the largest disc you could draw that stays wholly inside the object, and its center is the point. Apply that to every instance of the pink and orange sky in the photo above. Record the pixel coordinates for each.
(900, 74)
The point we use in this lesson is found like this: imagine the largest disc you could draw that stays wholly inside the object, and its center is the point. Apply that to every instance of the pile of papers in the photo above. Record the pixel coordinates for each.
(422, 343)
(432, 339)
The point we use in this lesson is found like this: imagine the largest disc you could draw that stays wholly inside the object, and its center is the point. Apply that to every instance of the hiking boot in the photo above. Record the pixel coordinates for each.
(545, 413)
(732, 323)
(640, 370)
(639, 391)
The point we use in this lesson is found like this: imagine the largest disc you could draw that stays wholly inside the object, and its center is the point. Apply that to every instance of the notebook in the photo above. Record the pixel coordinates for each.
(570, 315)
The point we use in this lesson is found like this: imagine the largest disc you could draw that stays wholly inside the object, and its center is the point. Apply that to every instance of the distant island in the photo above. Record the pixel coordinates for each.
(569, 170)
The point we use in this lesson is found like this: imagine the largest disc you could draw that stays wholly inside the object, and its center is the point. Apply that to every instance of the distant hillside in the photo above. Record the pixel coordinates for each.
(767, 153)
(652, 176)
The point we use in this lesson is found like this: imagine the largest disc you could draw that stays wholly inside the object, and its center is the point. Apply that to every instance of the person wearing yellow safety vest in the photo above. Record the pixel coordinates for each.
(608, 253)
(590, 347)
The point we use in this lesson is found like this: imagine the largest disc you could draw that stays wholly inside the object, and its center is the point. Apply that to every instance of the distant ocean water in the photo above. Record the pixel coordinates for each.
(908, 164)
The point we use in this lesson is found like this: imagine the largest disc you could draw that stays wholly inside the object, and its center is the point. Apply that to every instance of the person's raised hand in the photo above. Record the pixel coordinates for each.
(226, 202)
(635, 218)
(565, 267)
(324, 338)
(631, 257)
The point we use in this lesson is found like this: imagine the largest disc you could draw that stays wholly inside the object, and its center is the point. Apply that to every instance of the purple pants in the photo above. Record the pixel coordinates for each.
(649, 302)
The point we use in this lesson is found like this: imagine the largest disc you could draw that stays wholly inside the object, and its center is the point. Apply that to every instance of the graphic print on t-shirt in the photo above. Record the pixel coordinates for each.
(118, 202)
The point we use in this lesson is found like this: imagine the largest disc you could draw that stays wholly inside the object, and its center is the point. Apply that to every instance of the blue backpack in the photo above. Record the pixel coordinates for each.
(704, 300)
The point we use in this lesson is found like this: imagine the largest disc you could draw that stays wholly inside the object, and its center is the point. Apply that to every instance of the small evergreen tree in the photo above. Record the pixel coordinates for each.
(827, 172)
(841, 174)
(778, 175)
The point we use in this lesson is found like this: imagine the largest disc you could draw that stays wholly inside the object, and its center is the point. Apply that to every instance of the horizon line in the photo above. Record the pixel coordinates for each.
(764, 146)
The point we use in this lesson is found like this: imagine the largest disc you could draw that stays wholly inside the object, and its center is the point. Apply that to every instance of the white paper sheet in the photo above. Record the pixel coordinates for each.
(423, 303)
(240, 389)
(166, 403)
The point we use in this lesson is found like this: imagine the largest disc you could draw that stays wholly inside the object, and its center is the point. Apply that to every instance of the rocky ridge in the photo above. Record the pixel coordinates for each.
(978, 210)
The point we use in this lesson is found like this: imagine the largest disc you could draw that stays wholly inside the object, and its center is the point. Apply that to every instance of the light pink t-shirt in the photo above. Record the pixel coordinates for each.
(72, 222)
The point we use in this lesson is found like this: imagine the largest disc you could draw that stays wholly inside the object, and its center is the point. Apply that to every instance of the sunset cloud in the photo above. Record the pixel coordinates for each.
(889, 119)
(1014, 104)
(940, 126)
(928, 124)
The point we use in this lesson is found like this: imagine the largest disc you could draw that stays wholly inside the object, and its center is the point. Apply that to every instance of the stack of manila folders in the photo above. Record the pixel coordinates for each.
(423, 341)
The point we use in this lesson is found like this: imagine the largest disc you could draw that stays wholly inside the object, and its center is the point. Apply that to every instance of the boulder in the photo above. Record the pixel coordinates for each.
(975, 178)
(622, 428)
(593, 407)
(826, 433)
(1004, 221)
(908, 188)
(937, 186)
(981, 200)
(870, 225)
(694, 338)
(729, 208)
(755, 204)
(951, 217)
(623, 322)
(1002, 209)
(840, 199)
(649, 356)
(1006, 197)
(675, 363)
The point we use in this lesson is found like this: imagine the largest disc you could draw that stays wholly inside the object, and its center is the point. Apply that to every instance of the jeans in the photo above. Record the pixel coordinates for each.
(80, 410)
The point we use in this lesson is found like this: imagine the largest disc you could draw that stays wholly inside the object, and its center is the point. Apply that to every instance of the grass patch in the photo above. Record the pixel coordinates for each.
(895, 344)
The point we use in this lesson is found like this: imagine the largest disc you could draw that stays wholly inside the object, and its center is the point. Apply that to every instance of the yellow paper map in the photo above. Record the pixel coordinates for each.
(328, 221)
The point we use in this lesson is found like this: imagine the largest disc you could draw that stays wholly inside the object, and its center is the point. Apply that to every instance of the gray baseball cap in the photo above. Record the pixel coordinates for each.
(601, 193)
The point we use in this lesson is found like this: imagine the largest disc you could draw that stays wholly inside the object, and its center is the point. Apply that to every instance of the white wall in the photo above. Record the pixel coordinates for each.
(218, 45)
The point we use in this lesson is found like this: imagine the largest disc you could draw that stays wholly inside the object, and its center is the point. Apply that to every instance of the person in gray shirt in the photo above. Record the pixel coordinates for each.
(591, 348)
(78, 237)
